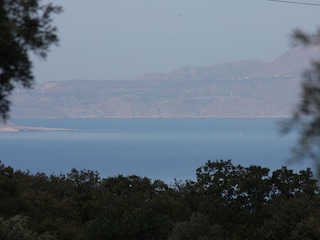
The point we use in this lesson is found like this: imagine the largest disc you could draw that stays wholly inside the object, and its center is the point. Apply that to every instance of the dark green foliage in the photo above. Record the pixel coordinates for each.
(286, 184)
(240, 200)
(16, 228)
(197, 228)
(133, 208)
(296, 218)
(25, 26)
(224, 202)
(10, 201)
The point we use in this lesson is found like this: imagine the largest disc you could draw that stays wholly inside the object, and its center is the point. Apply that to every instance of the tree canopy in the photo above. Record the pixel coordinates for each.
(26, 26)
(225, 201)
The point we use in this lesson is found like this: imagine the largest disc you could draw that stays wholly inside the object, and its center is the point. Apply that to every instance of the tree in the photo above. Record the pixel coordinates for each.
(26, 26)
(133, 208)
(306, 117)
(16, 228)
(197, 228)
(291, 218)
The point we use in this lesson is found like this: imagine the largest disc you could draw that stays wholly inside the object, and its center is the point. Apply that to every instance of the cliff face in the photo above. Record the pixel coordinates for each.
(242, 89)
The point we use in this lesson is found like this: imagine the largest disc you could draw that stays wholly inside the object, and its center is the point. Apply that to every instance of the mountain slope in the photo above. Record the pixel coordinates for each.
(242, 89)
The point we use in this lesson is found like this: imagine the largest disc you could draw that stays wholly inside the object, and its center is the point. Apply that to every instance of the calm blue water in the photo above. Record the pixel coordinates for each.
(156, 148)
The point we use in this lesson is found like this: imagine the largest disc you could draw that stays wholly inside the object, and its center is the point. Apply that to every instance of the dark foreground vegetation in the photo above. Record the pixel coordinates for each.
(225, 202)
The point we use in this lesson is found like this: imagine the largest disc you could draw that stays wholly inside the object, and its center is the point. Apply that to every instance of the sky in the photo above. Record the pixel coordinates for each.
(120, 39)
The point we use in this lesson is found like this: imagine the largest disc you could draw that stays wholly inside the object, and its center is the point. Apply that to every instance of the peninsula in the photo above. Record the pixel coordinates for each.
(10, 127)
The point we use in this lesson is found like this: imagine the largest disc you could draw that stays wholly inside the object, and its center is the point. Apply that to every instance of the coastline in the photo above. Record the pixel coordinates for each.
(9, 127)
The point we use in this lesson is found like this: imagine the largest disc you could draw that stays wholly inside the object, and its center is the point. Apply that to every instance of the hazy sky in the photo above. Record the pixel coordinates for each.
(116, 39)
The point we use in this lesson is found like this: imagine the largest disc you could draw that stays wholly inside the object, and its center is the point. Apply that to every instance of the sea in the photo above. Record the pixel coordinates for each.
(165, 149)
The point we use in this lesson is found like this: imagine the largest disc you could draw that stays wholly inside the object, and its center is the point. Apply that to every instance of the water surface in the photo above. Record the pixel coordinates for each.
(156, 148)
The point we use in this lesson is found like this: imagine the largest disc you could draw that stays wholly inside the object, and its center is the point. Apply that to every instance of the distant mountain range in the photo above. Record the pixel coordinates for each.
(244, 89)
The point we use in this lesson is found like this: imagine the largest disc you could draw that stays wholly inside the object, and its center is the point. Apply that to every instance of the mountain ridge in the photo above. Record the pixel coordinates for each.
(250, 88)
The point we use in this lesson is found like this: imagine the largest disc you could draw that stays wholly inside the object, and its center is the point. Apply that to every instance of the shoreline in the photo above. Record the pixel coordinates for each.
(9, 127)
